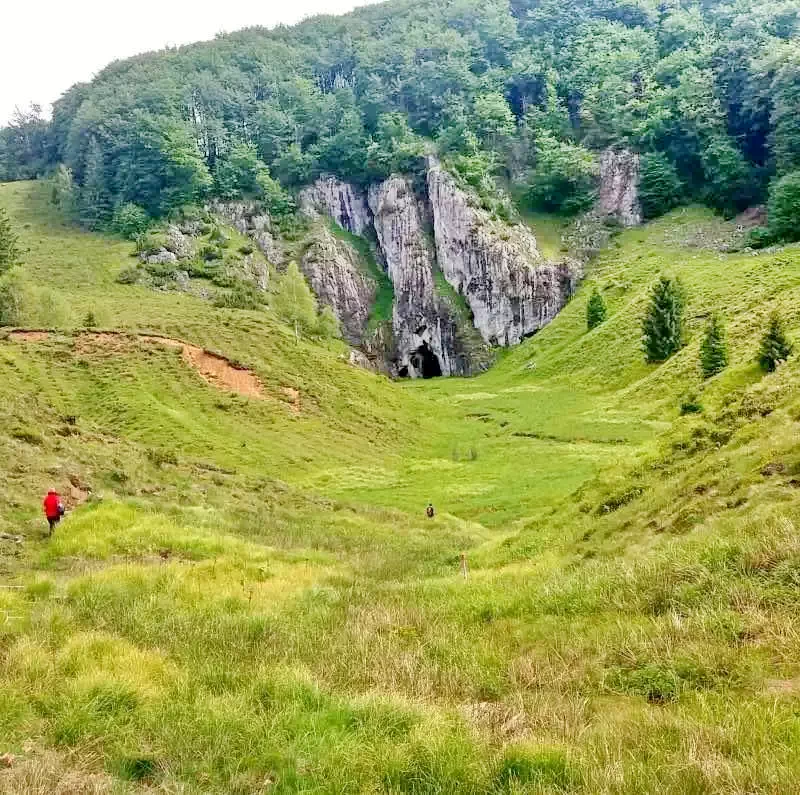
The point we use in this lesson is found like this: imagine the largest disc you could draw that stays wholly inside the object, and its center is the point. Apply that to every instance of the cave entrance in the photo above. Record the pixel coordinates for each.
(425, 362)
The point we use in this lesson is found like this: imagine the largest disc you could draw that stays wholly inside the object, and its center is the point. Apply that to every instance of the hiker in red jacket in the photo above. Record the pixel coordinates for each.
(53, 509)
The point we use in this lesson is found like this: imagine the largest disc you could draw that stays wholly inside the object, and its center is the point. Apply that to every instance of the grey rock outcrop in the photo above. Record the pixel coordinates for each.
(159, 257)
(247, 218)
(510, 288)
(619, 187)
(179, 244)
(425, 331)
(340, 200)
(337, 278)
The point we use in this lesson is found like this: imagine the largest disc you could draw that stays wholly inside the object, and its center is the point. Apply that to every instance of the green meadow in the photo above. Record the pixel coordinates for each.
(246, 595)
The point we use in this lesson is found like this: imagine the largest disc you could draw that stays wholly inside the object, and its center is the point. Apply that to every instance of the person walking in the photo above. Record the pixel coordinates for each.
(53, 509)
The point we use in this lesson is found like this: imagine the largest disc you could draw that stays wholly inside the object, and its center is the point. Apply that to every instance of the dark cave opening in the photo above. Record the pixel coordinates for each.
(425, 362)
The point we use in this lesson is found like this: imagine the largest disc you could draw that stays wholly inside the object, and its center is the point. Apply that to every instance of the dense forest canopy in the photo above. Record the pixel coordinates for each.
(521, 91)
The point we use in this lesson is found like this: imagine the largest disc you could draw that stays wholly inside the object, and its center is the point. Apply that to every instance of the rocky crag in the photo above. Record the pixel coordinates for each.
(463, 281)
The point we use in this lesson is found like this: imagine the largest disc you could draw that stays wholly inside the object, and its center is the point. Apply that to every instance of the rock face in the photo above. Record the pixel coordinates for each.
(337, 278)
(511, 290)
(425, 330)
(619, 187)
(248, 219)
(178, 243)
(340, 200)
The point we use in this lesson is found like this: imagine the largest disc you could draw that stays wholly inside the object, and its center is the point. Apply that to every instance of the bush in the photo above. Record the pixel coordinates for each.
(760, 237)
(691, 405)
(784, 208)
(130, 221)
(595, 310)
(159, 457)
(240, 296)
(328, 324)
(662, 326)
(775, 346)
(714, 348)
(660, 188)
(89, 321)
(129, 275)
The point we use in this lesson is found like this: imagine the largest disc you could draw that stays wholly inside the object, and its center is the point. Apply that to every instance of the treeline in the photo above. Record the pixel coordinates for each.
(526, 91)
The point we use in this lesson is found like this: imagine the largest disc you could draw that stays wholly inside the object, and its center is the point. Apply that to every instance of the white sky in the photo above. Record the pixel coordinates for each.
(47, 45)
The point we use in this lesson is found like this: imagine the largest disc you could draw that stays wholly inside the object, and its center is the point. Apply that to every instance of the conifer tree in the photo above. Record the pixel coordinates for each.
(595, 310)
(714, 348)
(662, 326)
(775, 345)
(9, 247)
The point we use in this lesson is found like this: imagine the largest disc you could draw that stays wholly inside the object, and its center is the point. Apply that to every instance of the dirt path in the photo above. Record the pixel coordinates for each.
(217, 370)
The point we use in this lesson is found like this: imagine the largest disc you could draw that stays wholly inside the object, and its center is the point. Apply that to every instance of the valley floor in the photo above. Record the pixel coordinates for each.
(246, 595)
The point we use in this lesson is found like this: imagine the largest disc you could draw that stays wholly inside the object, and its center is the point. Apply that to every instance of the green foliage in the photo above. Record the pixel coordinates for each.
(775, 346)
(596, 310)
(278, 202)
(714, 92)
(130, 221)
(242, 295)
(63, 191)
(563, 178)
(714, 348)
(9, 244)
(11, 299)
(784, 208)
(662, 325)
(728, 180)
(293, 302)
(328, 324)
(660, 187)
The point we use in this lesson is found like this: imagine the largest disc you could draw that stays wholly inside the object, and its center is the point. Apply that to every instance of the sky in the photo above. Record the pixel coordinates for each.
(47, 45)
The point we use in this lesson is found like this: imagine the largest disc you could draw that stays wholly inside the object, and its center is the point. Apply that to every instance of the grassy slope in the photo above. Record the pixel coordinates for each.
(271, 613)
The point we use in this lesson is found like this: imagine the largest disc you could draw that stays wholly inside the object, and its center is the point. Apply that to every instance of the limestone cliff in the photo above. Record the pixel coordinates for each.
(340, 200)
(619, 187)
(511, 290)
(337, 277)
(425, 328)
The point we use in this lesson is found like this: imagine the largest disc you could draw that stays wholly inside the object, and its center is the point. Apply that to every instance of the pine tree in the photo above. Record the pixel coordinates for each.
(714, 348)
(9, 248)
(775, 346)
(663, 323)
(595, 310)
(294, 302)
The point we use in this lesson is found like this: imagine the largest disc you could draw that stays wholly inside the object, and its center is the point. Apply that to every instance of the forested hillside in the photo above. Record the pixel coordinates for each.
(520, 91)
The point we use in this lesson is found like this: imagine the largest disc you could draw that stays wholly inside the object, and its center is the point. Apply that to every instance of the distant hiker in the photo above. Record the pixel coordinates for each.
(429, 512)
(53, 509)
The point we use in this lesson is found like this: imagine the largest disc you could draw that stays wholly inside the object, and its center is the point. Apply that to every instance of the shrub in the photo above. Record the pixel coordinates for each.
(595, 310)
(775, 346)
(89, 321)
(240, 296)
(129, 275)
(784, 208)
(760, 237)
(714, 348)
(159, 457)
(662, 326)
(691, 405)
(130, 220)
